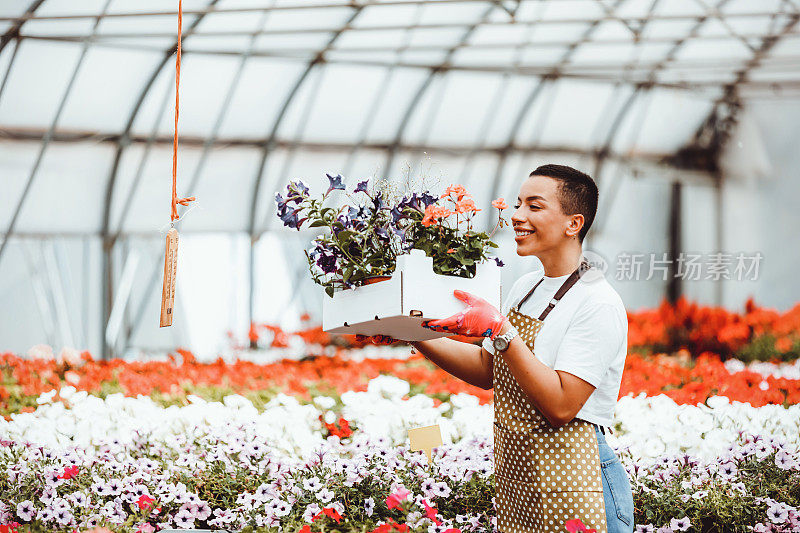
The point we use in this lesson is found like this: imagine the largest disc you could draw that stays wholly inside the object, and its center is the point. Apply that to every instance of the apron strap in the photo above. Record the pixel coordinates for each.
(567, 285)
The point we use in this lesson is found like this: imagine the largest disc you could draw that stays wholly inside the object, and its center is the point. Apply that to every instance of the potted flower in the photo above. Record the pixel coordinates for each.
(364, 237)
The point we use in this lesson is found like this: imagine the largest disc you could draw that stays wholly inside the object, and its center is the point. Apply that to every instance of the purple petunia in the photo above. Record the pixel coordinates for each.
(335, 183)
(327, 262)
(361, 187)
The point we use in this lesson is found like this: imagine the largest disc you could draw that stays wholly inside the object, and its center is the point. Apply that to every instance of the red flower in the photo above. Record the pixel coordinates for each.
(430, 512)
(145, 501)
(576, 525)
(69, 472)
(328, 511)
(458, 190)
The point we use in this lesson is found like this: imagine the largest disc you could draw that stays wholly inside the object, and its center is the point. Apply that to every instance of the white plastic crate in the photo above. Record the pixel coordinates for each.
(397, 307)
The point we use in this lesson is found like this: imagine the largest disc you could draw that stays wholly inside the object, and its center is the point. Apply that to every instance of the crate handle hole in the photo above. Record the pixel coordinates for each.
(415, 312)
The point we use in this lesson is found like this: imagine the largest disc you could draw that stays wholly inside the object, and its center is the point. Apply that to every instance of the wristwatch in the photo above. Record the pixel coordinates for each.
(501, 342)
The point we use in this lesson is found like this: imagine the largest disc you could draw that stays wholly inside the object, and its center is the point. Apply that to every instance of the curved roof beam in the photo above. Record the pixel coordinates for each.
(533, 96)
(122, 143)
(268, 144)
(602, 154)
(13, 31)
(424, 87)
(46, 139)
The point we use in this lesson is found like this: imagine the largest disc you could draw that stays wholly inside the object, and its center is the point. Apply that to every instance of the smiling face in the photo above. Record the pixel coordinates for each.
(540, 224)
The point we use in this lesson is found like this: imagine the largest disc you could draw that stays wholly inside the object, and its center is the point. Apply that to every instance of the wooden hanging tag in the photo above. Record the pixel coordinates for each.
(425, 439)
(170, 271)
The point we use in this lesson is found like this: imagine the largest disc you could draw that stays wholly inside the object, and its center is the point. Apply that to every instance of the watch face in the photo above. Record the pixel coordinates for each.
(500, 344)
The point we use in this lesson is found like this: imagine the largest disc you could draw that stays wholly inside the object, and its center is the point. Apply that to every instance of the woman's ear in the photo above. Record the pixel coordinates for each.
(575, 225)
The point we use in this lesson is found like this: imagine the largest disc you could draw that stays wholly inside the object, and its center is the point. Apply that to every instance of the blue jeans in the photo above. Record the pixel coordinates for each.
(617, 491)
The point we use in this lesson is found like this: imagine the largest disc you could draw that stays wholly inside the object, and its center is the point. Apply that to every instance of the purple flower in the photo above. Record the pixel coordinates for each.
(377, 202)
(297, 191)
(382, 233)
(327, 262)
(290, 218)
(335, 183)
(499, 263)
(397, 214)
(361, 187)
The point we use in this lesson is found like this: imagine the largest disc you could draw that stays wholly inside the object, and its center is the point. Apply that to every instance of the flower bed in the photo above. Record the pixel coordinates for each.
(131, 464)
(169, 382)
(757, 334)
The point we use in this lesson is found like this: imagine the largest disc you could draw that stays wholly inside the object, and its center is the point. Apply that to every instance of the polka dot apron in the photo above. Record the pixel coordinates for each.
(543, 476)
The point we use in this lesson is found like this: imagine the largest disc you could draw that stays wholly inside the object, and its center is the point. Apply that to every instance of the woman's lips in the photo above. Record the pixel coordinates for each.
(520, 238)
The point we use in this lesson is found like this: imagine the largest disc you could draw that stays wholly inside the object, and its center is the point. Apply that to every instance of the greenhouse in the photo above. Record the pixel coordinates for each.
(123, 120)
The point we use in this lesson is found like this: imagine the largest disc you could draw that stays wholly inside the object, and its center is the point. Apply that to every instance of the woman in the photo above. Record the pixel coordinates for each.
(554, 356)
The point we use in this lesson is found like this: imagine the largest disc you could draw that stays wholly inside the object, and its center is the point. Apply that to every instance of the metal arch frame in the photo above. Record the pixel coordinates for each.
(268, 144)
(13, 31)
(533, 96)
(623, 112)
(207, 145)
(122, 143)
(412, 106)
(390, 70)
(46, 140)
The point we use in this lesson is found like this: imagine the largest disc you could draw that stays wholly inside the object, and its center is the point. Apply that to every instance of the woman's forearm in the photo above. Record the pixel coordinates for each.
(462, 360)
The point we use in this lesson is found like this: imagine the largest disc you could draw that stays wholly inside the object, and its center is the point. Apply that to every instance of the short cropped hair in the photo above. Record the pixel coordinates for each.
(577, 192)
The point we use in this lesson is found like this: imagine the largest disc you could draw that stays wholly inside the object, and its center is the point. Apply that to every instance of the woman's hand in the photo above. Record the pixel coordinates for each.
(479, 319)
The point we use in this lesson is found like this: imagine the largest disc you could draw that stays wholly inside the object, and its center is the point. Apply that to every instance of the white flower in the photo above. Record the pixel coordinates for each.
(324, 402)
(26, 510)
(777, 514)
(369, 506)
(313, 484)
(680, 524)
(785, 461)
(311, 511)
(325, 495)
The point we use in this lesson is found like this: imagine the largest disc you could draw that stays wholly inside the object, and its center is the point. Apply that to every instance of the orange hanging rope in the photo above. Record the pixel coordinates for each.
(175, 199)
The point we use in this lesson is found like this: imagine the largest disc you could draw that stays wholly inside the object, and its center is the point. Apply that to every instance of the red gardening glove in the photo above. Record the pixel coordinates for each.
(479, 319)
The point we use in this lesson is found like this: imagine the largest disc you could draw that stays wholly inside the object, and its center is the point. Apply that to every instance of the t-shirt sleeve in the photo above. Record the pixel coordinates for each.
(591, 342)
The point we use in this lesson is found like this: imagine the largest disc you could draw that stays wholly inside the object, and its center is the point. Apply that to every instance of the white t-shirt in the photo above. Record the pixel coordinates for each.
(585, 334)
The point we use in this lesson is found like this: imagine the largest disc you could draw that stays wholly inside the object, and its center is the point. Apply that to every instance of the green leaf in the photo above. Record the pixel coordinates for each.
(317, 224)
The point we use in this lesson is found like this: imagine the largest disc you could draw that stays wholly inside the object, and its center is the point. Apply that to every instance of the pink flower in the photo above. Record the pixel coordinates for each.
(145, 528)
(394, 499)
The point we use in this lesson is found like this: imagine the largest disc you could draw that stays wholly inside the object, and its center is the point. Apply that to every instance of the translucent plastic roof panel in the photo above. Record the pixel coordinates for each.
(339, 111)
(32, 94)
(67, 194)
(262, 89)
(107, 85)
